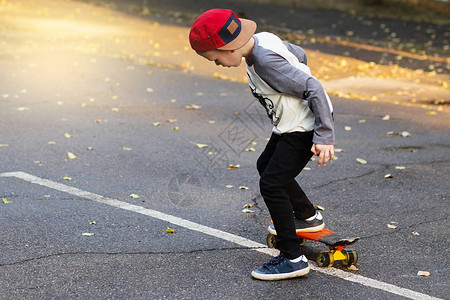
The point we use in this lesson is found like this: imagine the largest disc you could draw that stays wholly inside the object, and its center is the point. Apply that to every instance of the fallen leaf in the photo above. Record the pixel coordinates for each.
(67, 178)
(171, 120)
(87, 234)
(6, 201)
(229, 186)
(248, 206)
(337, 150)
(126, 149)
(423, 273)
(246, 210)
(233, 167)
(361, 161)
(170, 230)
(352, 268)
(307, 168)
(388, 176)
(347, 128)
(193, 107)
(68, 135)
(200, 145)
(386, 117)
(250, 149)
(400, 167)
(175, 128)
(243, 187)
(4, 145)
(362, 121)
(150, 90)
(134, 196)
(157, 124)
(90, 148)
(70, 155)
(210, 121)
(405, 134)
(391, 226)
(318, 207)
(92, 223)
(415, 233)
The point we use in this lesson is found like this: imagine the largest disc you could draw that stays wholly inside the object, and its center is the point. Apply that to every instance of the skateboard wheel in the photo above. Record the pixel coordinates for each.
(325, 259)
(271, 241)
(351, 257)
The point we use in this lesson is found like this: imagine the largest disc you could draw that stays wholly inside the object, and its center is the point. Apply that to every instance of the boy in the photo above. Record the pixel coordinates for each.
(301, 113)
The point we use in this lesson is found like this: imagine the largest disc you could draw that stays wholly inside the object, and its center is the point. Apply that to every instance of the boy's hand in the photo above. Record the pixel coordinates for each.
(324, 152)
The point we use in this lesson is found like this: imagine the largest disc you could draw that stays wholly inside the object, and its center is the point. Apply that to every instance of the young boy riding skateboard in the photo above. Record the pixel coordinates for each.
(302, 118)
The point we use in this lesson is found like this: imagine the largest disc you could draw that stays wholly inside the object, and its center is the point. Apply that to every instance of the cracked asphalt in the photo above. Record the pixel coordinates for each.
(128, 126)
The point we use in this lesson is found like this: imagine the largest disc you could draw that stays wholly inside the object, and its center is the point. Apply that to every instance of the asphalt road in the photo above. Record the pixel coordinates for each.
(118, 128)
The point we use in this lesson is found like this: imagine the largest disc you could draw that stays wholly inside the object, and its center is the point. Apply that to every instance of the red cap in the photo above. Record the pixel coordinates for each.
(220, 29)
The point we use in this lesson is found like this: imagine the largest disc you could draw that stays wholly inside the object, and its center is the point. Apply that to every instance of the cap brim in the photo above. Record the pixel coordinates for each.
(248, 28)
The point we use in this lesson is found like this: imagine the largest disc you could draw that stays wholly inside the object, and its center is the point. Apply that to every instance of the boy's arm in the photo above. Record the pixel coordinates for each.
(285, 78)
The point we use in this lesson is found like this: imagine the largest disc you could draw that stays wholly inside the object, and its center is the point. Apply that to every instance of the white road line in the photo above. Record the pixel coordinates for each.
(216, 233)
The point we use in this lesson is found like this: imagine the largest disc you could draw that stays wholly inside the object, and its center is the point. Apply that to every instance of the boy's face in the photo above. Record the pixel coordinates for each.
(224, 58)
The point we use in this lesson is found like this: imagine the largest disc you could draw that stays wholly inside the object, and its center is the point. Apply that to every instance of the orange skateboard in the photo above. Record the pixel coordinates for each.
(334, 243)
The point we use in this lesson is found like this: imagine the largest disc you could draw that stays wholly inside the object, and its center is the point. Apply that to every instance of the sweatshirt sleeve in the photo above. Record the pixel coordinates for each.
(285, 78)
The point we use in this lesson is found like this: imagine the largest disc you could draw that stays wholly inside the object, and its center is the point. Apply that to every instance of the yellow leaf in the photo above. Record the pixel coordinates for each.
(70, 155)
(415, 233)
(250, 149)
(388, 176)
(400, 167)
(126, 149)
(134, 196)
(248, 205)
(87, 234)
(391, 226)
(233, 167)
(67, 178)
(193, 107)
(361, 161)
(170, 230)
(200, 145)
(246, 210)
(68, 135)
(229, 186)
(243, 187)
(347, 128)
(6, 201)
(423, 273)
(386, 117)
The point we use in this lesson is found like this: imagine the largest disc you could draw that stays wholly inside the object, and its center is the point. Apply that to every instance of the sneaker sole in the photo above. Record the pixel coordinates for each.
(310, 229)
(298, 273)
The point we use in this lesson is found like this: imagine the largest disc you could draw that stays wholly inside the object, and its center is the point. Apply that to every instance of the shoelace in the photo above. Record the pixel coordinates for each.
(275, 261)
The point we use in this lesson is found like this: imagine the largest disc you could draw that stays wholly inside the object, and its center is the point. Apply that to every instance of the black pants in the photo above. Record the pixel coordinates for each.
(282, 160)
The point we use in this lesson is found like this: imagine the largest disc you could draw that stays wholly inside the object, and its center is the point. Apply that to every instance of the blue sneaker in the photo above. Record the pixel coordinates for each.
(280, 267)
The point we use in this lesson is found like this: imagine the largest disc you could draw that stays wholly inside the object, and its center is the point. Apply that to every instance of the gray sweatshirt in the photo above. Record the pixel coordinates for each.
(282, 82)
